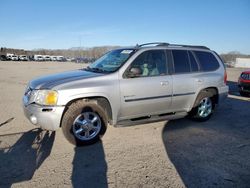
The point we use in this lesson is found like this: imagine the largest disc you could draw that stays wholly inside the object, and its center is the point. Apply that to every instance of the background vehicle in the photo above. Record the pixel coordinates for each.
(60, 58)
(14, 58)
(127, 86)
(3, 58)
(38, 58)
(46, 58)
(23, 58)
(244, 83)
(53, 58)
(69, 59)
(9, 56)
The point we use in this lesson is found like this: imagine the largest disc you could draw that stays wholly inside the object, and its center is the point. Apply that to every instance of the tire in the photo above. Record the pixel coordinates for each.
(203, 107)
(84, 122)
(243, 94)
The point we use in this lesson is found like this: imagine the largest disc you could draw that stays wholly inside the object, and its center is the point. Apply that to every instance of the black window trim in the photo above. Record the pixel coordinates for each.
(197, 62)
(169, 61)
(220, 58)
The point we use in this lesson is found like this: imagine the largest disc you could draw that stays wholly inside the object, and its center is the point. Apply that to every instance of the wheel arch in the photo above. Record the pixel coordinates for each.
(214, 94)
(101, 100)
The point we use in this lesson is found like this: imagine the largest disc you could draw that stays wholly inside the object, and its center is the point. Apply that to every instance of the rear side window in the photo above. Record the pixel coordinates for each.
(181, 61)
(207, 60)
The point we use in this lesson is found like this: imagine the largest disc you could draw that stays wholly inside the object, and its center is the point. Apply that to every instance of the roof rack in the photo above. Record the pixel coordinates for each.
(171, 45)
(153, 43)
(189, 46)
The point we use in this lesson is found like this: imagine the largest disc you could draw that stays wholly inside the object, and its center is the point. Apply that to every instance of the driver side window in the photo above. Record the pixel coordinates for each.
(149, 63)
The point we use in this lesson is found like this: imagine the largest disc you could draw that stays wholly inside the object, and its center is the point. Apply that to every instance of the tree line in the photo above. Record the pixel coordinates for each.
(95, 52)
(231, 56)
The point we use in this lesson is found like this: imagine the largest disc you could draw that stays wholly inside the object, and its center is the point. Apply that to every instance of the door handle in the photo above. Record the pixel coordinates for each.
(164, 83)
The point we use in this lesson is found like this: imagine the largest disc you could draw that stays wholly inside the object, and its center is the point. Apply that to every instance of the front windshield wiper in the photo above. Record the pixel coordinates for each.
(96, 69)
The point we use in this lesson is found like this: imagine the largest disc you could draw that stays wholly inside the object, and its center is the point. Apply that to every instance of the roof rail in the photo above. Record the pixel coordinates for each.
(189, 46)
(171, 45)
(153, 43)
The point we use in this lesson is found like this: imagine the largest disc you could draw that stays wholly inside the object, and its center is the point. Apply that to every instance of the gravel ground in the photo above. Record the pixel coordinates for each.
(179, 153)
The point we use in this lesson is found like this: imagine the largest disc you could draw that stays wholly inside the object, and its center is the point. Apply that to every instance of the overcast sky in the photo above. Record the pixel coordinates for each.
(223, 25)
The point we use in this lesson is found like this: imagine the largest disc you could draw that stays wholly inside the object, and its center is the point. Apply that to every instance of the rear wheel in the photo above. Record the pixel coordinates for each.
(84, 122)
(204, 106)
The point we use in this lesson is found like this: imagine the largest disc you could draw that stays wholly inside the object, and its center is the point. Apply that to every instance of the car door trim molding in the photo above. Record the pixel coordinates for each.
(182, 94)
(147, 98)
(159, 97)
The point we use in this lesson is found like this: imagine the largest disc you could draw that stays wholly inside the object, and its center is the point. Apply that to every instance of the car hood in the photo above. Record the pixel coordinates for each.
(246, 72)
(50, 81)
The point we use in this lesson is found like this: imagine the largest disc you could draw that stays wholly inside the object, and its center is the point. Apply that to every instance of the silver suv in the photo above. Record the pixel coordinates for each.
(127, 86)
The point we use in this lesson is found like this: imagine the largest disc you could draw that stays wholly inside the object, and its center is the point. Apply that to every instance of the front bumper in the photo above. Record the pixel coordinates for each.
(48, 118)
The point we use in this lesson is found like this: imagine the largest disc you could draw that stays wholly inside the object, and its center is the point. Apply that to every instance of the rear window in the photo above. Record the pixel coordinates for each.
(181, 61)
(207, 61)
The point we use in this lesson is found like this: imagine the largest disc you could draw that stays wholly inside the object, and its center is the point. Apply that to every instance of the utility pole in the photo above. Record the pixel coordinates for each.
(80, 42)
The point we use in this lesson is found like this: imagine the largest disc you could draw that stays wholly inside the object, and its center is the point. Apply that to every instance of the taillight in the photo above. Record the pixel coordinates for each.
(225, 77)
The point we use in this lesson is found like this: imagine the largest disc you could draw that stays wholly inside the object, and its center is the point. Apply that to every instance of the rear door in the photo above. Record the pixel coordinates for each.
(186, 79)
(146, 86)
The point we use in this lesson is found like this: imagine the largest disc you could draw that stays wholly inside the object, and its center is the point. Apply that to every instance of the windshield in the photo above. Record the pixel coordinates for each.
(111, 61)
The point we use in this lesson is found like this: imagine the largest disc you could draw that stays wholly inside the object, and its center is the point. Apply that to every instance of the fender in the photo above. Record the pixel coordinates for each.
(78, 96)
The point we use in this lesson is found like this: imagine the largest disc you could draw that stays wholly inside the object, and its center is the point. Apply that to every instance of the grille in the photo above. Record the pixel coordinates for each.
(246, 87)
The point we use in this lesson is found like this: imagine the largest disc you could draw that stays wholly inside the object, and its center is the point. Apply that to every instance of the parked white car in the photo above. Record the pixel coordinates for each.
(69, 59)
(46, 58)
(9, 56)
(60, 58)
(23, 58)
(14, 58)
(38, 58)
(53, 58)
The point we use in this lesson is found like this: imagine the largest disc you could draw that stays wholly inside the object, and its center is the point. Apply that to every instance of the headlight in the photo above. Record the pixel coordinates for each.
(44, 97)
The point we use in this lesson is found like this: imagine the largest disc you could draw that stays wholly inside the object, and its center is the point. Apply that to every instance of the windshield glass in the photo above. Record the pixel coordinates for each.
(111, 61)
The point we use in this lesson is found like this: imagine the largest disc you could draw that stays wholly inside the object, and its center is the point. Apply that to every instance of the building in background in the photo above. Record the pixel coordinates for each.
(242, 62)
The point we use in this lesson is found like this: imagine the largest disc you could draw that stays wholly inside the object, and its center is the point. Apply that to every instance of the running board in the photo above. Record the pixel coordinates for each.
(151, 119)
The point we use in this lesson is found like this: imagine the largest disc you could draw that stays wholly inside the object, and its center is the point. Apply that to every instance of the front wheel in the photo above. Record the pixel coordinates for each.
(84, 122)
(204, 106)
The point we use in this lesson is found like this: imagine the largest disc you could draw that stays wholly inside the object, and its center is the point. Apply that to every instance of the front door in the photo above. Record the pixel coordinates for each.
(146, 87)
